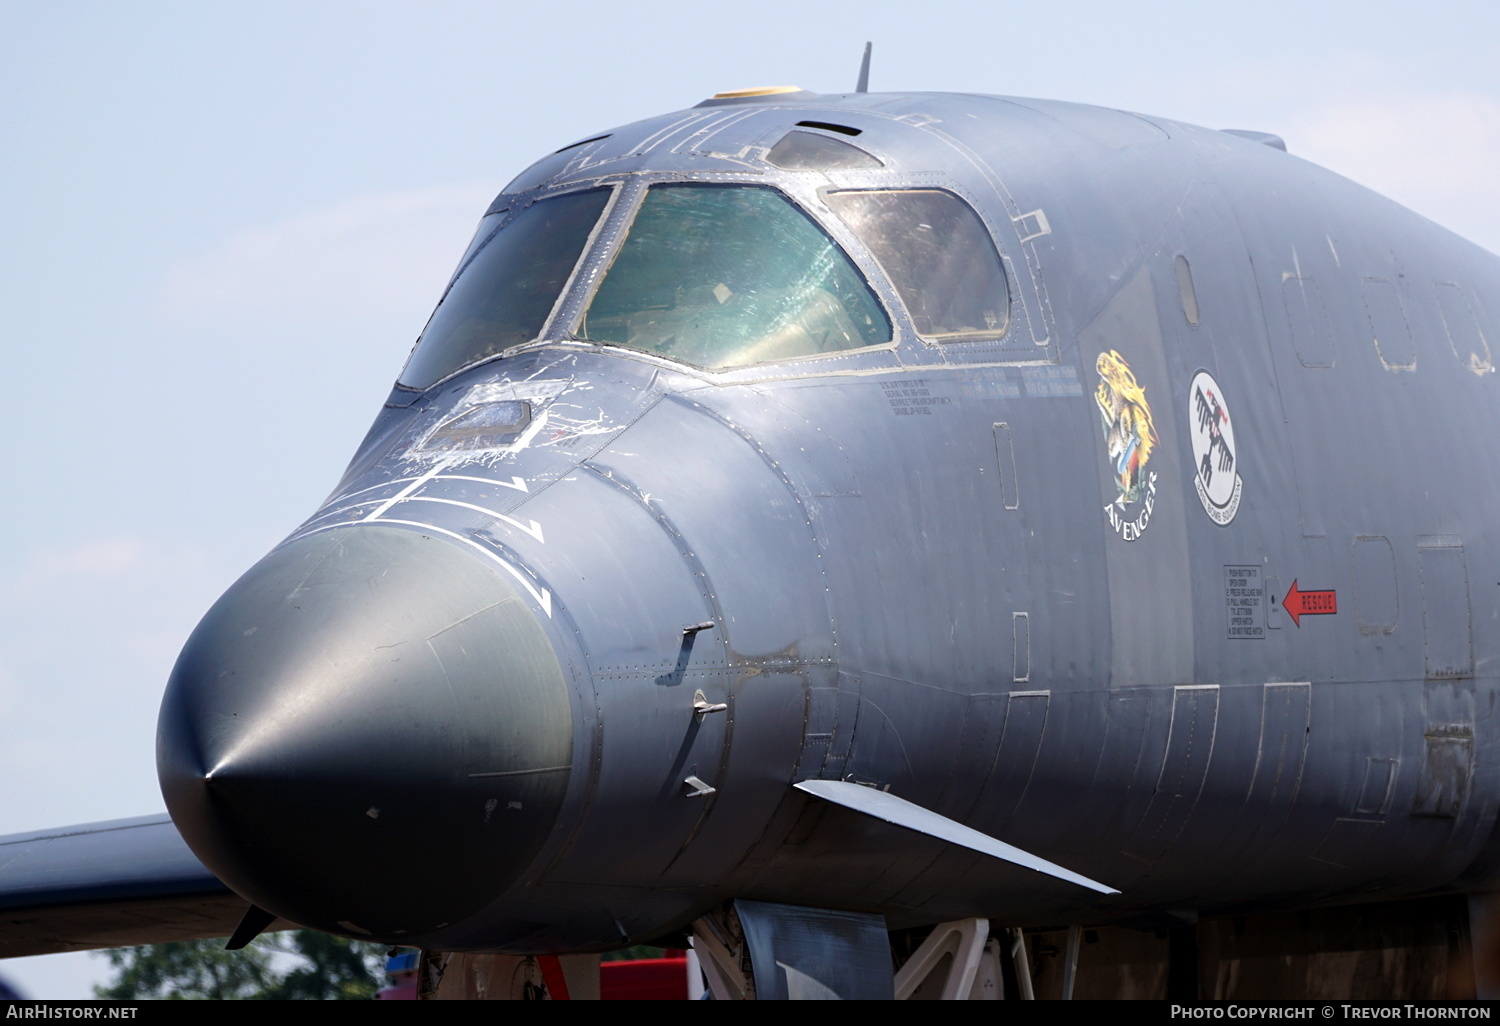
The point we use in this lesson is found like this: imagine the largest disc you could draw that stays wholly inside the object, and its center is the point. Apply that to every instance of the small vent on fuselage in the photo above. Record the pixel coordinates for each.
(829, 127)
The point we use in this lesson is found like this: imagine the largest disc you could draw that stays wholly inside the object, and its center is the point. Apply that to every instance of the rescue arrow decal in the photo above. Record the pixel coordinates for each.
(1309, 603)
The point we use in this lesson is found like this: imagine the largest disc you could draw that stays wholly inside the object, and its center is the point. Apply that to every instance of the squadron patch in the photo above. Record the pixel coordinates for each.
(1216, 478)
(1129, 438)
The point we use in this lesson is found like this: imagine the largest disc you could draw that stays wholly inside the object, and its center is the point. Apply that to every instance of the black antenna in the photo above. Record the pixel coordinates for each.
(863, 85)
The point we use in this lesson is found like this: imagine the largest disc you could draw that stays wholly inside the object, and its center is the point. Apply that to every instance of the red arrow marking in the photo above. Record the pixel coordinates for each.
(1309, 603)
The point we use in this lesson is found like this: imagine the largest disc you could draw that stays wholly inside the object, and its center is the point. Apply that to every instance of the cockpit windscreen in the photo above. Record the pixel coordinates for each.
(725, 275)
(504, 295)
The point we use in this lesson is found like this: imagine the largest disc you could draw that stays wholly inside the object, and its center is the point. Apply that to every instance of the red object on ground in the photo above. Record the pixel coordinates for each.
(552, 975)
(645, 979)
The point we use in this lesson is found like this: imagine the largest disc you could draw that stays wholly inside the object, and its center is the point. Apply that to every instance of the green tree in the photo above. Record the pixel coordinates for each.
(187, 969)
(323, 968)
(331, 968)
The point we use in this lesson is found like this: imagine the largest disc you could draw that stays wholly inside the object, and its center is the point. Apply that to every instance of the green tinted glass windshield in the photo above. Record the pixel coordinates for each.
(502, 298)
(730, 275)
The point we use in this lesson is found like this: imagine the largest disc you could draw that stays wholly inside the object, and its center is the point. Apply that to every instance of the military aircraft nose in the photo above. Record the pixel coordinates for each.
(368, 734)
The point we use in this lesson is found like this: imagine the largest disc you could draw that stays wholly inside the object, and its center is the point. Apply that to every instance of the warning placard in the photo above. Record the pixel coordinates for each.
(1245, 598)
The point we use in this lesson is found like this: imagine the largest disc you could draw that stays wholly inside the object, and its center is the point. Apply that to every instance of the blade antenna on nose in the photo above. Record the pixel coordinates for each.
(863, 85)
(254, 922)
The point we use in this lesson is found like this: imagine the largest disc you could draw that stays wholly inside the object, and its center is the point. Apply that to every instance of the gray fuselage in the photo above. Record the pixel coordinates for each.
(1001, 577)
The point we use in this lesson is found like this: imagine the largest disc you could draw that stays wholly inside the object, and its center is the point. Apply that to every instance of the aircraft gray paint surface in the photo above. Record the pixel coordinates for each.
(1146, 538)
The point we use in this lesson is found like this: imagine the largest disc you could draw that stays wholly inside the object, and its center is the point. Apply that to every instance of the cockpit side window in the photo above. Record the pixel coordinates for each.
(938, 254)
(727, 275)
(504, 294)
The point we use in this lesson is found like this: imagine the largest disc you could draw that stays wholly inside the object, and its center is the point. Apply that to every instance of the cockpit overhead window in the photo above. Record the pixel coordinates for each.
(503, 296)
(938, 254)
(809, 151)
(726, 275)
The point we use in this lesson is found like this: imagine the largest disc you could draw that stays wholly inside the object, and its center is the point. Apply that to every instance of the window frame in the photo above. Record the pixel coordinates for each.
(622, 217)
(513, 206)
(1000, 337)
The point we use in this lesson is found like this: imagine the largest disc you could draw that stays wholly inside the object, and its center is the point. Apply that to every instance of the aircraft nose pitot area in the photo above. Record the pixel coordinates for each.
(364, 704)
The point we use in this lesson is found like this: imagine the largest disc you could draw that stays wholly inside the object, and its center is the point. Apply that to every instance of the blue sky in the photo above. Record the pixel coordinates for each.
(223, 224)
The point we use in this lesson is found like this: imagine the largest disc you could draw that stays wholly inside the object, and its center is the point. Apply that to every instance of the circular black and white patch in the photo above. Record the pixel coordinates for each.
(1216, 476)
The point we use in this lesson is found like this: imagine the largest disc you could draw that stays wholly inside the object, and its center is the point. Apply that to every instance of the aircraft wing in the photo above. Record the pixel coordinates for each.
(105, 885)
